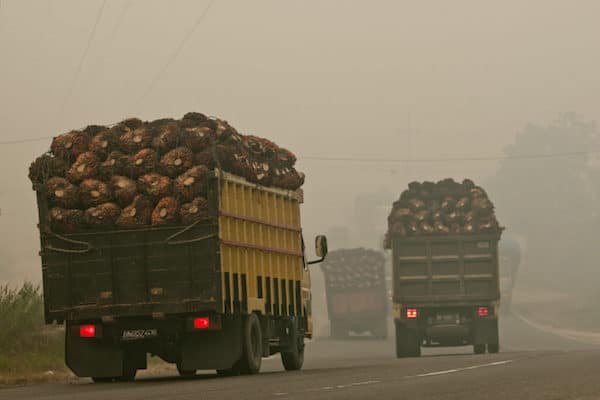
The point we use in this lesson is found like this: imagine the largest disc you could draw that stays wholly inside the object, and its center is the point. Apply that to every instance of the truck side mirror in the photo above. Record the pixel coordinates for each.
(320, 249)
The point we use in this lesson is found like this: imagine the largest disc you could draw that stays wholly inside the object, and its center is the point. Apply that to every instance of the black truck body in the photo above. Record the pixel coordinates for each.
(446, 292)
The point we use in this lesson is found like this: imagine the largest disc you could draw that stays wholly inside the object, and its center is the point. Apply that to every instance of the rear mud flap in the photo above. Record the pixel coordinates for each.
(485, 331)
(92, 358)
(213, 350)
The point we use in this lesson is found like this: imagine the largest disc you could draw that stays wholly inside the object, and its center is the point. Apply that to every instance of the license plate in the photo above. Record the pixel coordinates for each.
(139, 334)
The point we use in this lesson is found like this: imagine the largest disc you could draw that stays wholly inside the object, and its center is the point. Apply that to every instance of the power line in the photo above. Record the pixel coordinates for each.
(453, 159)
(176, 53)
(83, 57)
(119, 22)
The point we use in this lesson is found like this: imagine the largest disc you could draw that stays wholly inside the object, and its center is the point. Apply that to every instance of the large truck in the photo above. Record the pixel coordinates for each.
(356, 293)
(446, 292)
(220, 294)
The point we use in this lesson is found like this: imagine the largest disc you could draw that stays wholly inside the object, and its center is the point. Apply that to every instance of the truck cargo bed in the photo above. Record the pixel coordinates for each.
(130, 272)
(445, 269)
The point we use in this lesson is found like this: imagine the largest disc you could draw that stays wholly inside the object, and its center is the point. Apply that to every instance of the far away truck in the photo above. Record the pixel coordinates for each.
(356, 292)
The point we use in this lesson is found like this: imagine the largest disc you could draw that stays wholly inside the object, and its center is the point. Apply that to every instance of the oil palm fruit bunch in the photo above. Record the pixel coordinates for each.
(166, 212)
(93, 192)
(104, 215)
(136, 214)
(177, 161)
(194, 211)
(103, 143)
(191, 183)
(86, 166)
(64, 220)
(134, 140)
(45, 167)
(155, 186)
(62, 193)
(166, 135)
(69, 146)
(124, 190)
(115, 164)
(142, 162)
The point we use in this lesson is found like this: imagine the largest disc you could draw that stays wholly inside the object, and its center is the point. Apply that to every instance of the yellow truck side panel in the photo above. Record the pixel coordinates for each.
(262, 261)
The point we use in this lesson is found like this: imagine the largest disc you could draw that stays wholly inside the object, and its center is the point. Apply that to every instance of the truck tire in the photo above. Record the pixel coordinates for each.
(251, 359)
(479, 348)
(184, 372)
(407, 342)
(233, 371)
(493, 348)
(128, 375)
(102, 380)
(379, 330)
(337, 331)
(293, 358)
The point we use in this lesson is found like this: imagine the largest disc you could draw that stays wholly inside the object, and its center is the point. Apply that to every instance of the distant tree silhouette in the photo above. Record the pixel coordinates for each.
(553, 201)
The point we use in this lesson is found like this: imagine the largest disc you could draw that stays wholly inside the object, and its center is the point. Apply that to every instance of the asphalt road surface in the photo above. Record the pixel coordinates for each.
(532, 365)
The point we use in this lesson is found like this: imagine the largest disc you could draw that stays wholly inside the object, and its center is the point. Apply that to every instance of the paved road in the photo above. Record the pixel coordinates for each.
(532, 365)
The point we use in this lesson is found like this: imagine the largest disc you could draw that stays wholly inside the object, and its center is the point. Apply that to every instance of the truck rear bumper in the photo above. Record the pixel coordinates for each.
(448, 333)
(112, 352)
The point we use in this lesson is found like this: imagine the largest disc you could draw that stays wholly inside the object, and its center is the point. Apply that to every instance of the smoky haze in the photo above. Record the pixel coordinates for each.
(327, 79)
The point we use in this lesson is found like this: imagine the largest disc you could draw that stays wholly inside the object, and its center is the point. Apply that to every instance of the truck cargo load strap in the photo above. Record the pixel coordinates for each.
(172, 242)
(87, 245)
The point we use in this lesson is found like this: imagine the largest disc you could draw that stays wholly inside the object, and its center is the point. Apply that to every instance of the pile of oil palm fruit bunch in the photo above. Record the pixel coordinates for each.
(354, 269)
(443, 208)
(137, 173)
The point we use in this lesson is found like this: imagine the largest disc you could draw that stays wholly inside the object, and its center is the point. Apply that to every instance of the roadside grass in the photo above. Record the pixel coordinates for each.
(29, 349)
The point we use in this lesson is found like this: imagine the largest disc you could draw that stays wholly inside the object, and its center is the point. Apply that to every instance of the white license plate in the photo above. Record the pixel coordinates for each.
(139, 334)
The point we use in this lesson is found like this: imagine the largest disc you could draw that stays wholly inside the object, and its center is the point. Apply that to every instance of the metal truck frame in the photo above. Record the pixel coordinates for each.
(220, 294)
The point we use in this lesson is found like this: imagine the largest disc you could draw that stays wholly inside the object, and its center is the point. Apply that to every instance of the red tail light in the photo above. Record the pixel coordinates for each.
(411, 313)
(201, 323)
(483, 312)
(87, 331)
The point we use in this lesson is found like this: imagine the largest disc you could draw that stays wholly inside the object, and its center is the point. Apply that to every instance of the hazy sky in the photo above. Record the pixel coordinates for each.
(324, 78)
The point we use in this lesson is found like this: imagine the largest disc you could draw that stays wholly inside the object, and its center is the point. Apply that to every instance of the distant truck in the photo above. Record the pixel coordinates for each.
(510, 260)
(446, 292)
(220, 294)
(356, 292)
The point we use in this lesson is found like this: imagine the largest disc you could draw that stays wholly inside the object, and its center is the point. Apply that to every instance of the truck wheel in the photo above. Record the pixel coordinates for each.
(293, 359)
(234, 371)
(252, 346)
(493, 348)
(184, 372)
(102, 380)
(407, 342)
(128, 375)
(479, 348)
(380, 331)
(337, 331)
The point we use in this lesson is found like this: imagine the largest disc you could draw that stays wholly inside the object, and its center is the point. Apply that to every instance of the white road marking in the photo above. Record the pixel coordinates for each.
(349, 385)
(453, 371)
(429, 374)
(364, 383)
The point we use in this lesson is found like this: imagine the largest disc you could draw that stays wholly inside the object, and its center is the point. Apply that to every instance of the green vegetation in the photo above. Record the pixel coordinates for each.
(28, 347)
